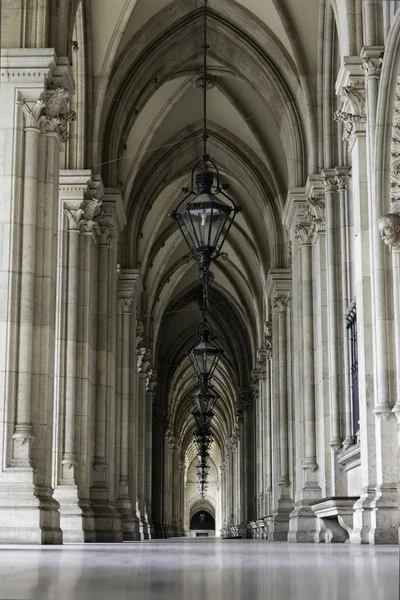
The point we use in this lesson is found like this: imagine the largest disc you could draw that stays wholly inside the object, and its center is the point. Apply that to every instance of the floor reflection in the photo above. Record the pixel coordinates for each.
(199, 569)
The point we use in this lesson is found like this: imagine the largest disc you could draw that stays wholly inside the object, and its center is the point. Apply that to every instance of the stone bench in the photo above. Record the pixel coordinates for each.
(335, 515)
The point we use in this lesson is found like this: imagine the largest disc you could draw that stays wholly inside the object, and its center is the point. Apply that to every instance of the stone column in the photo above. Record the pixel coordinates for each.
(28, 195)
(267, 456)
(102, 492)
(346, 267)
(302, 519)
(80, 205)
(150, 403)
(261, 452)
(333, 294)
(126, 289)
(279, 288)
(143, 376)
(352, 92)
(384, 506)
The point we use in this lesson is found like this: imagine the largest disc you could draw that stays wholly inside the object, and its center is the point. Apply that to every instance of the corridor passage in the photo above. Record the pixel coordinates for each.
(190, 569)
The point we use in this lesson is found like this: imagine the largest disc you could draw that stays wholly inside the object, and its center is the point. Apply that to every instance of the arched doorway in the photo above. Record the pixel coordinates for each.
(202, 524)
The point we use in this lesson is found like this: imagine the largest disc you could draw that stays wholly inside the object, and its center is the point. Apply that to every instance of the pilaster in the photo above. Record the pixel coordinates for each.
(34, 100)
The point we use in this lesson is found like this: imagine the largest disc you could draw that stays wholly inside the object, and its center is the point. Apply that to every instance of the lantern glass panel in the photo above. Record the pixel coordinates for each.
(204, 219)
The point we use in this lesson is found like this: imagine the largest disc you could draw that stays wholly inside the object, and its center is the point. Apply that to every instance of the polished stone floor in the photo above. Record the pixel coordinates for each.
(190, 569)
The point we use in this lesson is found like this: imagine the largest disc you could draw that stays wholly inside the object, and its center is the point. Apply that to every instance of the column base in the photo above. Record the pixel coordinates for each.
(279, 524)
(303, 525)
(376, 518)
(29, 515)
(71, 517)
(129, 521)
(107, 522)
(384, 518)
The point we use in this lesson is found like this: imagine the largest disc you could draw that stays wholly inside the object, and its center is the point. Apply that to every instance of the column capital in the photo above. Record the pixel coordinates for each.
(350, 87)
(113, 205)
(329, 179)
(279, 283)
(315, 187)
(49, 113)
(81, 198)
(128, 284)
(342, 177)
(295, 207)
(281, 303)
(371, 61)
(305, 233)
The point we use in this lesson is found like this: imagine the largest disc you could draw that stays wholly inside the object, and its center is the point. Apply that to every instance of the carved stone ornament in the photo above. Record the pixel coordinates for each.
(127, 304)
(315, 215)
(198, 83)
(281, 303)
(353, 116)
(50, 113)
(395, 150)
(330, 184)
(268, 340)
(372, 66)
(389, 228)
(304, 233)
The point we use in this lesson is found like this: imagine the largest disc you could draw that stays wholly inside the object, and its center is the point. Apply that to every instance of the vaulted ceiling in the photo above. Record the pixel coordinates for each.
(146, 137)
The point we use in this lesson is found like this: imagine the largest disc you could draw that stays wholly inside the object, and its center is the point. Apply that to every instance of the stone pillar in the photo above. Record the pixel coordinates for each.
(80, 202)
(127, 362)
(34, 129)
(346, 267)
(279, 289)
(144, 372)
(384, 506)
(302, 518)
(102, 492)
(267, 456)
(148, 450)
(352, 92)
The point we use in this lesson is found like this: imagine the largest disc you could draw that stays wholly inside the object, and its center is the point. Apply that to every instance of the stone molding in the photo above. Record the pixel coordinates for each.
(279, 283)
(38, 66)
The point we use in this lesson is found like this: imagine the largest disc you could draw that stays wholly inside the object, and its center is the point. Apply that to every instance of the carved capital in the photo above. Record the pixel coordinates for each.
(341, 182)
(127, 304)
(353, 116)
(105, 232)
(281, 303)
(244, 401)
(74, 219)
(372, 67)
(50, 113)
(330, 184)
(304, 233)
